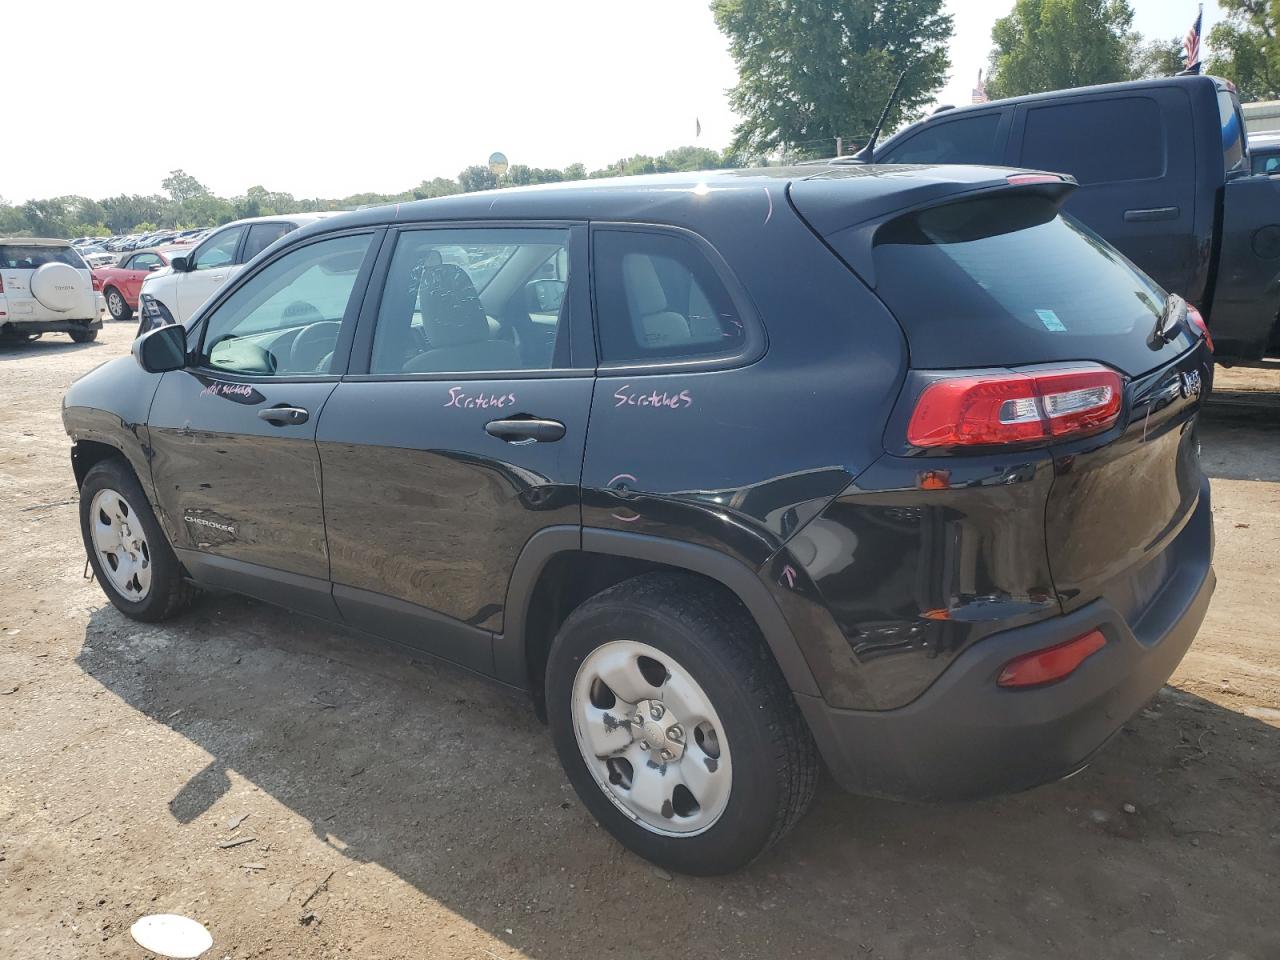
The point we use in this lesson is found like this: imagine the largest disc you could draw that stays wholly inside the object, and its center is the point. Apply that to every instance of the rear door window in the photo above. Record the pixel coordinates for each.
(1013, 281)
(964, 140)
(659, 299)
(18, 256)
(1097, 141)
(261, 236)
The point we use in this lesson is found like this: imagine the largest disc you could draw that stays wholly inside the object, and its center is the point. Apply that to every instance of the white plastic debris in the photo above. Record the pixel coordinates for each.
(170, 935)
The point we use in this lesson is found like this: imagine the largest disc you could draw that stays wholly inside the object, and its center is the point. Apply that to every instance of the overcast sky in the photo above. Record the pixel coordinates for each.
(328, 99)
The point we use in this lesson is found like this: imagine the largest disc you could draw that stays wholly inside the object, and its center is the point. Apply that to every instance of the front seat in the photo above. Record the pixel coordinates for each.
(455, 325)
(655, 324)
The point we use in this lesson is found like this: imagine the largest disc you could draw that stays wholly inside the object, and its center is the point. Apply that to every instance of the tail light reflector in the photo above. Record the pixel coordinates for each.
(1004, 406)
(1197, 323)
(1052, 663)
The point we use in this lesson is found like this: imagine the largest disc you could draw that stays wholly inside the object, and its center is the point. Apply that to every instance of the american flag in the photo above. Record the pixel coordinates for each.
(980, 91)
(1191, 45)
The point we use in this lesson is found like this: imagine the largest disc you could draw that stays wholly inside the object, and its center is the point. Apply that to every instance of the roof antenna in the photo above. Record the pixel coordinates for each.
(865, 154)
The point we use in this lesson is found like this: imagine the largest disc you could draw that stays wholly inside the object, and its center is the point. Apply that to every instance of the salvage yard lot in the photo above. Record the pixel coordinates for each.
(435, 809)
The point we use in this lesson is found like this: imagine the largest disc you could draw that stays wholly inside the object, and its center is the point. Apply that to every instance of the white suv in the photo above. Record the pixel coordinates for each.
(173, 294)
(46, 287)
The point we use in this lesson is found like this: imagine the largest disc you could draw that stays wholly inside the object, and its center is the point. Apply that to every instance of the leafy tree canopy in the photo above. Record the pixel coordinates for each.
(1245, 50)
(1055, 44)
(813, 70)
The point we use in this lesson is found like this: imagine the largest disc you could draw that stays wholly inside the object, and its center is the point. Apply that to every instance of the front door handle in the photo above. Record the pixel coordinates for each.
(525, 430)
(1151, 213)
(284, 416)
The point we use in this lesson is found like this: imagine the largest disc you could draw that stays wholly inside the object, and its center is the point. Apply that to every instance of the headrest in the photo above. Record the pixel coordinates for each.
(644, 289)
(451, 310)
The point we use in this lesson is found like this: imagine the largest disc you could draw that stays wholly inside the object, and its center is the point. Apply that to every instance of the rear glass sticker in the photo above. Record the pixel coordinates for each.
(1051, 321)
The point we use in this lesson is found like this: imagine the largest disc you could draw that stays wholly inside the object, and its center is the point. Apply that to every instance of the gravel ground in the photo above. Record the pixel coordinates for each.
(391, 807)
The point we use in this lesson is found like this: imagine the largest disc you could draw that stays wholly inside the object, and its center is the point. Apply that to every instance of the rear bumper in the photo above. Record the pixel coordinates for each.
(51, 326)
(965, 737)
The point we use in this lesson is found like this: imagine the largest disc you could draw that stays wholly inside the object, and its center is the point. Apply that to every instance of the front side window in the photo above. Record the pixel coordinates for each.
(261, 236)
(145, 261)
(1128, 141)
(218, 251)
(474, 301)
(659, 299)
(971, 140)
(284, 320)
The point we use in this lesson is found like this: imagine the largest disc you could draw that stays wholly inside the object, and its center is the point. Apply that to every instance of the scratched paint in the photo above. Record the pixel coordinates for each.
(625, 396)
(462, 400)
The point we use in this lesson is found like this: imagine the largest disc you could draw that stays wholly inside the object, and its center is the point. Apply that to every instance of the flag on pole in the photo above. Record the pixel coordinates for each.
(697, 126)
(980, 91)
(1191, 45)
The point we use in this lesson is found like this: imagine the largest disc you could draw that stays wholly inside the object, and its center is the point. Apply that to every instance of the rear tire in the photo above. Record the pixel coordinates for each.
(84, 336)
(690, 659)
(116, 305)
(128, 551)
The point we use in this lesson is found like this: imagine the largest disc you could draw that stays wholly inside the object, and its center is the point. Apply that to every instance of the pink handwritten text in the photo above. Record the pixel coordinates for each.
(625, 397)
(478, 401)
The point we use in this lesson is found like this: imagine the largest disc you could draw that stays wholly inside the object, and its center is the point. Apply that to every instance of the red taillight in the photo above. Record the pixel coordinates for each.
(1007, 407)
(1, 284)
(1197, 323)
(1052, 663)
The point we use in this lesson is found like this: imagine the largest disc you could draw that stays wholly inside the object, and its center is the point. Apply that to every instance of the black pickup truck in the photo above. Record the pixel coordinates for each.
(1164, 175)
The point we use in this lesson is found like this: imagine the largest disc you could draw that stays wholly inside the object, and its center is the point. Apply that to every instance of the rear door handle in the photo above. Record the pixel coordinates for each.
(1151, 213)
(525, 430)
(284, 416)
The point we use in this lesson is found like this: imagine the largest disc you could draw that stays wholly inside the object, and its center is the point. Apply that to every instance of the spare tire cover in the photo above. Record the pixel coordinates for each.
(59, 286)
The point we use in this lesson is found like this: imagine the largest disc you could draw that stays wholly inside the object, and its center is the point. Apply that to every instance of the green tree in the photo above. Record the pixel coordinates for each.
(812, 70)
(575, 171)
(1156, 58)
(1245, 49)
(124, 213)
(1056, 44)
(181, 186)
(477, 177)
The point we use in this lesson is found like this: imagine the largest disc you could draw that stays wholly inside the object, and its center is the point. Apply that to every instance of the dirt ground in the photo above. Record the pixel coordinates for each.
(434, 805)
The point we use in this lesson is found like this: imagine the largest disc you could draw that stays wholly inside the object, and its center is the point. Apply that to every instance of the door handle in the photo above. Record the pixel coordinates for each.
(284, 416)
(1151, 213)
(525, 430)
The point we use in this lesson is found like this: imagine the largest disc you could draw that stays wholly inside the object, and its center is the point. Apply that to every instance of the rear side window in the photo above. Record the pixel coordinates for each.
(659, 299)
(1232, 131)
(1097, 141)
(971, 140)
(261, 236)
(1008, 280)
(22, 257)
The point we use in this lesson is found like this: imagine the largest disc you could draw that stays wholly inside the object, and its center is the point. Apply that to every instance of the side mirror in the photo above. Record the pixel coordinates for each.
(162, 349)
(180, 264)
(544, 296)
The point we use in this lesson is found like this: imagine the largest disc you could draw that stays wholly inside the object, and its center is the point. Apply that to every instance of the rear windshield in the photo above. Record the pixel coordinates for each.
(1009, 280)
(22, 257)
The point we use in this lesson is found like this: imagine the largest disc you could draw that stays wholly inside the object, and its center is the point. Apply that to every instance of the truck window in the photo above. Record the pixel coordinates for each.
(1232, 131)
(968, 140)
(1097, 141)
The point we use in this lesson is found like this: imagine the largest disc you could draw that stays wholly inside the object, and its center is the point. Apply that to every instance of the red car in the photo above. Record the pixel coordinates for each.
(120, 284)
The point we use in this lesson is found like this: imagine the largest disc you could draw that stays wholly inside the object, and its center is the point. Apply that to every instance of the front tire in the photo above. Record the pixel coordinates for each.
(116, 305)
(128, 551)
(675, 726)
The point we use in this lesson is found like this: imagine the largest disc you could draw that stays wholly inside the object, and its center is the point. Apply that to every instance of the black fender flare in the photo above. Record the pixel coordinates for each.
(509, 646)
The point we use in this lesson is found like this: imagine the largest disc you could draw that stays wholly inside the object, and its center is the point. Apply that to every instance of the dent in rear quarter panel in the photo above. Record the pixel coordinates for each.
(913, 577)
(110, 404)
(757, 451)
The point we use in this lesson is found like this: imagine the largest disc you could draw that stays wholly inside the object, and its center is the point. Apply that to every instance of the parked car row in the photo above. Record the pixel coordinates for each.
(137, 241)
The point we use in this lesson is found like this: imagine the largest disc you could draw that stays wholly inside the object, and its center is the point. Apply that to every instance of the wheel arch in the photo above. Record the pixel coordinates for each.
(560, 567)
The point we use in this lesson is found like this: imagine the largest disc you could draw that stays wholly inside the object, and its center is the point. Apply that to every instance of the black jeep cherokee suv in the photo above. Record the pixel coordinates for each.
(892, 466)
